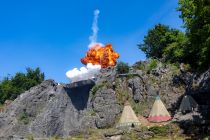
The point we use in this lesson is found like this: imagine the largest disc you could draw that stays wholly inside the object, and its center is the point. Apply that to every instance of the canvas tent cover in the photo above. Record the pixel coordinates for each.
(159, 112)
(128, 117)
(187, 104)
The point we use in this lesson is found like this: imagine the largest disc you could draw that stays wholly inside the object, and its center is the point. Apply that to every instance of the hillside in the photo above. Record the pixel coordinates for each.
(52, 109)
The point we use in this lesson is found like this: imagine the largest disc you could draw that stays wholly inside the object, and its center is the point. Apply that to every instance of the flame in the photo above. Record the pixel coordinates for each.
(98, 55)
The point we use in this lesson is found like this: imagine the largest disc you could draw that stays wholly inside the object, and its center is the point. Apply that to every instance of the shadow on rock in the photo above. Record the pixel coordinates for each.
(79, 93)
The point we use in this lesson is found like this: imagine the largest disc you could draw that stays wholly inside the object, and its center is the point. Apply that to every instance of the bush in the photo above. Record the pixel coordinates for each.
(160, 130)
(122, 68)
(152, 65)
(139, 66)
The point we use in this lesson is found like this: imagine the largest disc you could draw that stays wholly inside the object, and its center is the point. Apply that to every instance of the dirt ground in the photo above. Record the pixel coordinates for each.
(146, 123)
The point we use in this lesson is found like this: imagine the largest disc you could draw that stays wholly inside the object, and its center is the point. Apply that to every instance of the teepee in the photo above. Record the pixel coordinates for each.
(128, 117)
(159, 112)
(188, 104)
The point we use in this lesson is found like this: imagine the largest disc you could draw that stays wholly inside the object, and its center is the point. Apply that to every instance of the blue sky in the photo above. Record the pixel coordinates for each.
(54, 35)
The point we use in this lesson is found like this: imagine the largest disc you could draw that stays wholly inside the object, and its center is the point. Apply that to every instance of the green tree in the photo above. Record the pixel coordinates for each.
(164, 42)
(122, 67)
(196, 18)
(11, 87)
(176, 51)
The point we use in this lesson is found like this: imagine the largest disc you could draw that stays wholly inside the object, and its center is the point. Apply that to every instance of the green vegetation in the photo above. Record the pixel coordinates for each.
(122, 95)
(163, 40)
(139, 66)
(140, 107)
(152, 65)
(196, 18)
(160, 130)
(148, 66)
(24, 117)
(95, 88)
(1, 106)
(130, 136)
(11, 87)
(122, 68)
(29, 137)
(174, 46)
(91, 112)
(55, 138)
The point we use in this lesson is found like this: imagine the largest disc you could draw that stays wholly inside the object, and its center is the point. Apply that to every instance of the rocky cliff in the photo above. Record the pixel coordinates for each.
(51, 109)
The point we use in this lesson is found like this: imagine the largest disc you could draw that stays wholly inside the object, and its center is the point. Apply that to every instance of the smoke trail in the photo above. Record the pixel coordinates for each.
(93, 38)
(90, 71)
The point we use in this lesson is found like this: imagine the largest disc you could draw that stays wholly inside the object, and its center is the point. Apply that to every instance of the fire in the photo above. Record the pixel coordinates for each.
(98, 55)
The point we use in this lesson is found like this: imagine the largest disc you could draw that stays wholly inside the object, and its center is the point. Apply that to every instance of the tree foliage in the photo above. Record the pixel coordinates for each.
(164, 42)
(196, 18)
(176, 51)
(192, 47)
(11, 87)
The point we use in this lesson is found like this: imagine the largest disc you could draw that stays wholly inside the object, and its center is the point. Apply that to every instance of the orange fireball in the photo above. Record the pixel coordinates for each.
(98, 55)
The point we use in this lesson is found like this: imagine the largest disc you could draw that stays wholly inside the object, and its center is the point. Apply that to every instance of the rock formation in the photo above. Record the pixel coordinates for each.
(51, 109)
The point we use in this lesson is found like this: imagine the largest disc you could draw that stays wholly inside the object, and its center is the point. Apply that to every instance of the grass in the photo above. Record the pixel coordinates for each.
(96, 88)
(122, 96)
(167, 138)
(160, 130)
(91, 112)
(140, 107)
(23, 117)
(29, 137)
(98, 134)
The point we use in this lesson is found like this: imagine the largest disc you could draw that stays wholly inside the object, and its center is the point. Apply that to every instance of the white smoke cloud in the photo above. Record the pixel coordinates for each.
(90, 71)
(93, 37)
(84, 73)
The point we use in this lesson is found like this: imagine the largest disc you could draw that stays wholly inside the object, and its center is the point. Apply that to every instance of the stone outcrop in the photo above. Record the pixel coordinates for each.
(50, 109)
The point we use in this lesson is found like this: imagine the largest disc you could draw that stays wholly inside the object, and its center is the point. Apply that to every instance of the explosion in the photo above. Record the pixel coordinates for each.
(99, 55)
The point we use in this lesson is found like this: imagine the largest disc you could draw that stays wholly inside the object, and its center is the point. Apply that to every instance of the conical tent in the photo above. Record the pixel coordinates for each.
(188, 104)
(128, 117)
(159, 112)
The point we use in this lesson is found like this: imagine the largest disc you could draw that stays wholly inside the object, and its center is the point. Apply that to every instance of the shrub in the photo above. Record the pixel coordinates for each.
(139, 65)
(122, 68)
(152, 65)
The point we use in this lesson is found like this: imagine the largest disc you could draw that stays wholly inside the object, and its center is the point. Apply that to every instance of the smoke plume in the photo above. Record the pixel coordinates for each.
(84, 73)
(90, 71)
(93, 37)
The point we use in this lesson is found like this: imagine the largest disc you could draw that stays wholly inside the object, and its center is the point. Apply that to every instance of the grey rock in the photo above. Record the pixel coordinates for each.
(137, 86)
(106, 107)
(50, 109)
(151, 91)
